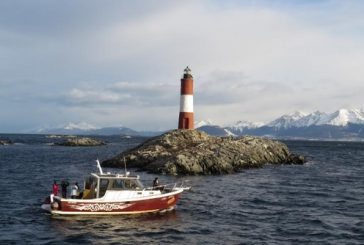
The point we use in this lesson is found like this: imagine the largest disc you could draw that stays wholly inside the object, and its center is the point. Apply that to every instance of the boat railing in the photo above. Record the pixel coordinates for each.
(169, 187)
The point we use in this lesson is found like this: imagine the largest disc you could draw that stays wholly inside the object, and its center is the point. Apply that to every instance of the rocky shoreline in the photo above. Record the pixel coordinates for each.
(191, 152)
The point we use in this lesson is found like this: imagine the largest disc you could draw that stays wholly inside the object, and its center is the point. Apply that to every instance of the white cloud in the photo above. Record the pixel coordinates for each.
(124, 93)
(90, 96)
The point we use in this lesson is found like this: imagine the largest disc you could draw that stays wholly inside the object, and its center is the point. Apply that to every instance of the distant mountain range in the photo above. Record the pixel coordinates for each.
(341, 117)
(343, 124)
(347, 124)
(88, 129)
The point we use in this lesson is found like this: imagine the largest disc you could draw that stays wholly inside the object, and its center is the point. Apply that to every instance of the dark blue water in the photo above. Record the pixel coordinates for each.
(321, 202)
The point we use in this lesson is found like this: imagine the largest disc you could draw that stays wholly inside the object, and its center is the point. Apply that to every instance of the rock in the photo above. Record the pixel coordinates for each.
(191, 152)
(296, 159)
(84, 141)
(6, 142)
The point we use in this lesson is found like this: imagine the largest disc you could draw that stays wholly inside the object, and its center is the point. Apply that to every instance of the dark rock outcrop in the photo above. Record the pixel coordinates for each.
(191, 152)
(6, 142)
(84, 141)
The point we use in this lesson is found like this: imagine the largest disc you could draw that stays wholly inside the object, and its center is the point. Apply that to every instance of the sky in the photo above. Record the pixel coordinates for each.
(113, 63)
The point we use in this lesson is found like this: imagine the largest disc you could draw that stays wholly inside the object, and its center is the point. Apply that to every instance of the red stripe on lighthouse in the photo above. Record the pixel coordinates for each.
(187, 86)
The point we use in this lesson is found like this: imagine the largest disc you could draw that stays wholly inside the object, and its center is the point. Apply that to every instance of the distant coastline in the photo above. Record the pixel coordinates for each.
(58, 137)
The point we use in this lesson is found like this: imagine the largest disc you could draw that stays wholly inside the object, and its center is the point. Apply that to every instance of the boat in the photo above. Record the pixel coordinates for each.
(116, 194)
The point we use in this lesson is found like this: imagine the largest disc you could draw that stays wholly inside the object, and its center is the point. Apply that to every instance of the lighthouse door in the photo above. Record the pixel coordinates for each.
(185, 123)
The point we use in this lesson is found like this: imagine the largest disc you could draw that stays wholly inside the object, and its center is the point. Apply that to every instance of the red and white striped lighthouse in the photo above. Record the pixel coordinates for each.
(186, 120)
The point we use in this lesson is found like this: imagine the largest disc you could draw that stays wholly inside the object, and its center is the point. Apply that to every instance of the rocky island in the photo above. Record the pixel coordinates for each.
(191, 152)
(83, 141)
(6, 142)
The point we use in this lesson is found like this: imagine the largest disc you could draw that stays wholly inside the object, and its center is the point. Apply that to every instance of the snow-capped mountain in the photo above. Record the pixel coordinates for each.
(209, 127)
(202, 123)
(344, 124)
(314, 118)
(241, 126)
(344, 116)
(287, 121)
(246, 124)
(340, 117)
(81, 126)
(87, 129)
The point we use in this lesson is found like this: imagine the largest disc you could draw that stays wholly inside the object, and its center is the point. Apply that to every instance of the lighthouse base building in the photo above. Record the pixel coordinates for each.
(186, 120)
(186, 116)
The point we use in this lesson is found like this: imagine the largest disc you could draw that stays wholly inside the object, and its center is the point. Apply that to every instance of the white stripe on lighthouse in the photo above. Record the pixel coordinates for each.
(186, 104)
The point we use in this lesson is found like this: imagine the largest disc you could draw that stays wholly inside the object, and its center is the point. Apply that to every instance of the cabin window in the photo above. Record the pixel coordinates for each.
(129, 184)
(133, 184)
(90, 185)
(118, 184)
(103, 187)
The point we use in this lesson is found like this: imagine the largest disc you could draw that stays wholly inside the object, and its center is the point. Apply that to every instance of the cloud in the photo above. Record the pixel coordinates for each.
(78, 96)
(122, 94)
(234, 87)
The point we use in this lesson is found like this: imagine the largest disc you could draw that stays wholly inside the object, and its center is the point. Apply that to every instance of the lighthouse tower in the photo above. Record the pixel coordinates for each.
(186, 120)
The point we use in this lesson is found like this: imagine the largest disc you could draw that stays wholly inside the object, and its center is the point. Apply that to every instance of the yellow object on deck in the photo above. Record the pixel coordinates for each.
(86, 194)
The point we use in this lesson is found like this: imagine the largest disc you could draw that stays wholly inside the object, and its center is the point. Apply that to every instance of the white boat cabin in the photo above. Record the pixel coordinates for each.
(115, 187)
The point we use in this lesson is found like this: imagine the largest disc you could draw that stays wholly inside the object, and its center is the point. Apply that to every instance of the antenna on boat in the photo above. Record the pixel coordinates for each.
(126, 173)
(99, 166)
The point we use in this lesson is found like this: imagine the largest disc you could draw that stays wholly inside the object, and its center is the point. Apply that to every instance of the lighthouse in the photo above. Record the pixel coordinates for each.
(186, 120)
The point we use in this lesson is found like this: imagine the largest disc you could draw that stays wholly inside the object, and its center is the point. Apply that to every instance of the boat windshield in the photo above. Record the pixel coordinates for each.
(97, 187)
(125, 184)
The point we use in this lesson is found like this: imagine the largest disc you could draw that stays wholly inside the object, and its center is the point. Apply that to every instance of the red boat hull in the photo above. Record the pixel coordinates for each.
(77, 206)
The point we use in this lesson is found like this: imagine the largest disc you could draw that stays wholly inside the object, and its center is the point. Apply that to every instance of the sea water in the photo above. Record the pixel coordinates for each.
(320, 202)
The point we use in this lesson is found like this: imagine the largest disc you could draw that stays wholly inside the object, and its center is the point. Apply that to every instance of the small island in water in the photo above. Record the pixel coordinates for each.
(192, 152)
(80, 141)
(6, 142)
